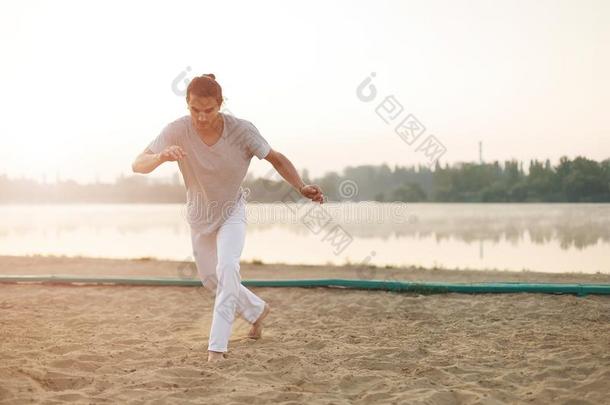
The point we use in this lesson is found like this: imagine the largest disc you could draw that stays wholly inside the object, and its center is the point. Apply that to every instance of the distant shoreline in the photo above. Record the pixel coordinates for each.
(149, 267)
(571, 180)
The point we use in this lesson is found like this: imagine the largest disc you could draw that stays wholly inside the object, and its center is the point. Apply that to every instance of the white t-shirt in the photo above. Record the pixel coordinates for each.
(213, 174)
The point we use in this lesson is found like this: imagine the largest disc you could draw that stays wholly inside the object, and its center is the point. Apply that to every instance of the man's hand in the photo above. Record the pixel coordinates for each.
(313, 192)
(147, 161)
(171, 154)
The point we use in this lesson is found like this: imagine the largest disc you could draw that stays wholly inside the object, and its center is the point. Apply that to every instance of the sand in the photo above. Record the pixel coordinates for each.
(131, 344)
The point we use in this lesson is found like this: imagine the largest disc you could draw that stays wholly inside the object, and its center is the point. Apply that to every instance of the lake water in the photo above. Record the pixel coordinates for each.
(537, 237)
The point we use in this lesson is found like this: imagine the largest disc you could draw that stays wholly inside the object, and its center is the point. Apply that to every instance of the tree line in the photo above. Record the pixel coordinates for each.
(577, 180)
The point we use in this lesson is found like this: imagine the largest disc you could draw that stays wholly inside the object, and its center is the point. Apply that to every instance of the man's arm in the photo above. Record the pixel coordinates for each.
(287, 170)
(148, 161)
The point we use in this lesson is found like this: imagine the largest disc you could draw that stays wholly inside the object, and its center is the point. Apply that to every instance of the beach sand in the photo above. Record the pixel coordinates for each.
(137, 344)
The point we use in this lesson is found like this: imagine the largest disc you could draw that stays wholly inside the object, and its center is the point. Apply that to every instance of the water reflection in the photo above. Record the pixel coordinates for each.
(129, 230)
(573, 225)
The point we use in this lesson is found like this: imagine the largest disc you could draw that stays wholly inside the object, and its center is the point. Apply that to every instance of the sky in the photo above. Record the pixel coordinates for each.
(85, 86)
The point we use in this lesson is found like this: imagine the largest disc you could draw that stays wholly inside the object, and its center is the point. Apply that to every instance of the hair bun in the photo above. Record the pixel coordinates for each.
(211, 76)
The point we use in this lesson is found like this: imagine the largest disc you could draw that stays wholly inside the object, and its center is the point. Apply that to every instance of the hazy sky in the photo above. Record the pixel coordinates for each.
(85, 86)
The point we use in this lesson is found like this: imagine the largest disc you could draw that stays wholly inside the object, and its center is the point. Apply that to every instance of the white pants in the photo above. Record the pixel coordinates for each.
(217, 258)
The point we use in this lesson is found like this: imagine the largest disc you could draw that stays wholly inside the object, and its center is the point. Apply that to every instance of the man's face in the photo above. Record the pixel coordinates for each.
(204, 111)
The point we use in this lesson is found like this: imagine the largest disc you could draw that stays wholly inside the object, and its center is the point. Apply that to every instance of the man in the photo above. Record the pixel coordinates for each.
(213, 151)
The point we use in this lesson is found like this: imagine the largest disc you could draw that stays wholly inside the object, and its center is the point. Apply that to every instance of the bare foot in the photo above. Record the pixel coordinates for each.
(256, 331)
(216, 356)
